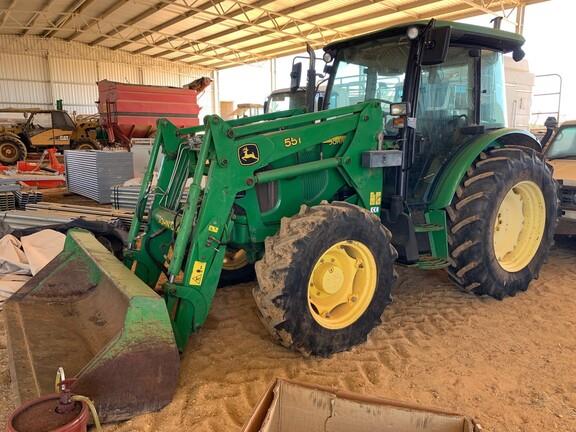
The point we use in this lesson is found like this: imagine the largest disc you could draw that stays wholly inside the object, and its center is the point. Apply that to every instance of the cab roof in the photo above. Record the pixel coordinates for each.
(462, 34)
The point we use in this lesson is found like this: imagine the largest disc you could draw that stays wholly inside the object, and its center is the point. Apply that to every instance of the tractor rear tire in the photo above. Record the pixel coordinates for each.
(86, 144)
(502, 222)
(12, 150)
(325, 278)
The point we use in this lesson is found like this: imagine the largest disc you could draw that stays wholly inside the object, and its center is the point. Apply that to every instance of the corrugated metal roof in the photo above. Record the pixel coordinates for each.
(216, 34)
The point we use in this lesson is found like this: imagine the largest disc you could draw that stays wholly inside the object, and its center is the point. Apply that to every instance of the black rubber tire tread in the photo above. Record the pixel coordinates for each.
(473, 264)
(283, 273)
(233, 277)
(22, 151)
(95, 145)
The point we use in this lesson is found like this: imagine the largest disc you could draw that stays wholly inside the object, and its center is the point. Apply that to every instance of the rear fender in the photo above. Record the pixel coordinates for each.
(11, 135)
(454, 170)
(452, 174)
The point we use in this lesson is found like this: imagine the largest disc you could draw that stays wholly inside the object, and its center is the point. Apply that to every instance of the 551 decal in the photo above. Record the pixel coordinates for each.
(292, 141)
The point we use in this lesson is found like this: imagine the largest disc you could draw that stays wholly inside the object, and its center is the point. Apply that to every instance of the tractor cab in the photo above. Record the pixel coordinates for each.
(49, 128)
(440, 86)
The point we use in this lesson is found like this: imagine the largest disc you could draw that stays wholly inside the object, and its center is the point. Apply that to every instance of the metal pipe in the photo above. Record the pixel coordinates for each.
(144, 187)
(297, 170)
(189, 214)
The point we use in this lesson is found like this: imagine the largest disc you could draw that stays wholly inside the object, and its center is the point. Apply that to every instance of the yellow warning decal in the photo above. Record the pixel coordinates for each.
(375, 198)
(212, 228)
(339, 139)
(197, 273)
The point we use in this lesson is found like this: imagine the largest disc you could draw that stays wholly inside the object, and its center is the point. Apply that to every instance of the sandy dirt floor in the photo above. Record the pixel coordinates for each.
(509, 364)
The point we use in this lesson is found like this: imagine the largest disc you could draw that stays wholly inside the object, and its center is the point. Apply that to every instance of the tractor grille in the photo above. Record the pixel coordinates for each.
(267, 194)
(313, 183)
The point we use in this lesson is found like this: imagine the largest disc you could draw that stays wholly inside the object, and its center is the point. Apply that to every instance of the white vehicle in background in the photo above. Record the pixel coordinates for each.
(285, 99)
(561, 154)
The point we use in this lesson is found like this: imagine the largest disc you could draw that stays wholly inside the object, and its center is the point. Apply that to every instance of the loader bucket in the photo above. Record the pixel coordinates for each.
(85, 311)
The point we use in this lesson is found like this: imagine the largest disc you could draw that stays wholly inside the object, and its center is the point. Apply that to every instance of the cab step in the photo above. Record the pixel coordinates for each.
(426, 227)
(428, 262)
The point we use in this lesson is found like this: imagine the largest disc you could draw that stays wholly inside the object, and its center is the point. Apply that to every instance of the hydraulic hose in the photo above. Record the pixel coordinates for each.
(58, 386)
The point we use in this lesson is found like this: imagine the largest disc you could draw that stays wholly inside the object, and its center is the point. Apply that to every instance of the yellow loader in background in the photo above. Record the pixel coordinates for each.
(42, 129)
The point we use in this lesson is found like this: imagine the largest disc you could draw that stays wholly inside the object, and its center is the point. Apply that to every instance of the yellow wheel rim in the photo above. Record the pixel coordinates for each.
(234, 260)
(342, 284)
(519, 226)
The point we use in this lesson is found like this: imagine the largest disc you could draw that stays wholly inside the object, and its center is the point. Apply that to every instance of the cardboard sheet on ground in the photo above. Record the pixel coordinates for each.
(42, 247)
(289, 406)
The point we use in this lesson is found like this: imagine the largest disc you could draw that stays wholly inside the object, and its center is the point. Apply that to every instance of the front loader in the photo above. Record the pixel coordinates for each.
(408, 162)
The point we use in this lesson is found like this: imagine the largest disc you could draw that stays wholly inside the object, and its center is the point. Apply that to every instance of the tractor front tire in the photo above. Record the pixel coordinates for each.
(325, 278)
(86, 144)
(12, 150)
(236, 269)
(502, 222)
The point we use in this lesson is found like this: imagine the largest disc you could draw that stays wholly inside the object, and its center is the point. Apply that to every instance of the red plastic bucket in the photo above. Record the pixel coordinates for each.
(39, 415)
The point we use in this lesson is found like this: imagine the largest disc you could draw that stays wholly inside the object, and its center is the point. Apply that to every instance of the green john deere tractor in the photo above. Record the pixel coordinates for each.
(409, 161)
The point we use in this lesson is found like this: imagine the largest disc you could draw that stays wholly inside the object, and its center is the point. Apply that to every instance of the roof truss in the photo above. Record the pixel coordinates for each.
(244, 31)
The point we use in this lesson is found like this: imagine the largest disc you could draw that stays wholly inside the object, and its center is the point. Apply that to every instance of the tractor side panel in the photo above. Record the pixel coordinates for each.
(62, 137)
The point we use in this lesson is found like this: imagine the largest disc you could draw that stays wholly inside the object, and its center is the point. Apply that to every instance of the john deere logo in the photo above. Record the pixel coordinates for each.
(248, 154)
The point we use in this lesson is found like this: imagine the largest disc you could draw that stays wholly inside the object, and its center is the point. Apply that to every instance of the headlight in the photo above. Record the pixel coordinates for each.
(327, 57)
(412, 32)
(399, 109)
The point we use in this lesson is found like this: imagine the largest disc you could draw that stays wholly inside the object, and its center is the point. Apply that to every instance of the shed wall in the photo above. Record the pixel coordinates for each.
(39, 80)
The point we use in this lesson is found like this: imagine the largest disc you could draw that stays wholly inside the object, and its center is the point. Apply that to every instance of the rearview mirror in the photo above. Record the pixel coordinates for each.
(518, 54)
(436, 45)
(295, 76)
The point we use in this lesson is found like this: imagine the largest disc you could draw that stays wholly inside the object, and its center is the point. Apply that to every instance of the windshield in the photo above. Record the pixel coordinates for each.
(564, 144)
(286, 101)
(373, 70)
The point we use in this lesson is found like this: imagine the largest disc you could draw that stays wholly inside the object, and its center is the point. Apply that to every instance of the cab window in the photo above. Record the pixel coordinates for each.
(445, 107)
(492, 91)
(41, 121)
(61, 120)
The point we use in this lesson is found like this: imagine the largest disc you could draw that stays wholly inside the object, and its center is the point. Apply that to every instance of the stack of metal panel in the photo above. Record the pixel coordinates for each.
(20, 219)
(25, 197)
(126, 197)
(92, 173)
(7, 201)
(43, 214)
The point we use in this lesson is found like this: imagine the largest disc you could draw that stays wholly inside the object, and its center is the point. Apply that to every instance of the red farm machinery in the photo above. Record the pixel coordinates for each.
(131, 111)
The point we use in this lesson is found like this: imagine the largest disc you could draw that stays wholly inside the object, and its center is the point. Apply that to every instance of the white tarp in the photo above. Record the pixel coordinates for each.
(12, 258)
(42, 247)
(19, 259)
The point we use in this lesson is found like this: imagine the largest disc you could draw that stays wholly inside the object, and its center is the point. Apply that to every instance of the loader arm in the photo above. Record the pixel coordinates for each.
(186, 240)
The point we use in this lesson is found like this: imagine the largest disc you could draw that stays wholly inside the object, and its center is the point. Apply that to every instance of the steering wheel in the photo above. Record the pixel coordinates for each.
(461, 116)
